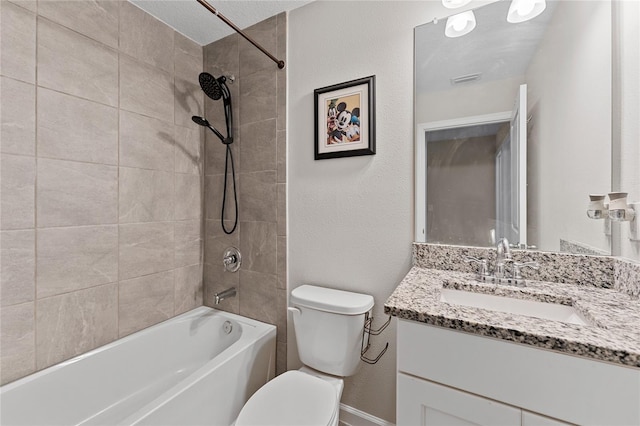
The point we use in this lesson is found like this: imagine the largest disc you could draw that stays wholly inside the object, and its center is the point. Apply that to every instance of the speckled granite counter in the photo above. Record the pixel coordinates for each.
(613, 336)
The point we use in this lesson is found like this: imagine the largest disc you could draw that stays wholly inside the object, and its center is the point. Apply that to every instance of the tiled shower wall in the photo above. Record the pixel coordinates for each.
(259, 108)
(101, 178)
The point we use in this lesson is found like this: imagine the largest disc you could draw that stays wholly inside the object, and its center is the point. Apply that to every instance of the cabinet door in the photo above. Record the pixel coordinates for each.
(424, 403)
(530, 419)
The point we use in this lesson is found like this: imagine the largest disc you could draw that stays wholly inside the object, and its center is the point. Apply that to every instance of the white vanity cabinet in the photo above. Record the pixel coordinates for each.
(424, 403)
(447, 377)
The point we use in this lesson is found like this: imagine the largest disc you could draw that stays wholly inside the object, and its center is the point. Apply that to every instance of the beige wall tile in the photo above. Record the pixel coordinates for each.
(252, 59)
(31, 5)
(189, 101)
(17, 342)
(71, 193)
(96, 19)
(74, 64)
(222, 56)
(145, 38)
(258, 246)
(282, 262)
(188, 288)
(217, 241)
(281, 314)
(188, 243)
(257, 92)
(215, 152)
(188, 149)
(17, 261)
(188, 197)
(281, 358)
(18, 118)
(187, 66)
(213, 186)
(145, 301)
(145, 248)
(258, 147)
(281, 189)
(70, 128)
(281, 99)
(183, 44)
(146, 142)
(146, 90)
(74, 323)
(281, 156)
(216, 280)
(146, 195)
(18, 43)
(258, 196)
(17, 192)
(258, 297)
(70, 259)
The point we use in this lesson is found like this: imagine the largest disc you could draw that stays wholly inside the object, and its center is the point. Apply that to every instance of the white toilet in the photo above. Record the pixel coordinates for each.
(329, 328)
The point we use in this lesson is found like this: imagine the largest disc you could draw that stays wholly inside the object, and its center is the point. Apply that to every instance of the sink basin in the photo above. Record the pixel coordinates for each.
(549, 311)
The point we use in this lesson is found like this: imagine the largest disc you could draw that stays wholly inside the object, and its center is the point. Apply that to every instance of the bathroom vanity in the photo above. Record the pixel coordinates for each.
(466, 360)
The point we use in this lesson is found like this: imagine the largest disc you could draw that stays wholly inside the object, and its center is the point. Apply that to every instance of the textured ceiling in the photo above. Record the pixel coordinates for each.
(191, 19)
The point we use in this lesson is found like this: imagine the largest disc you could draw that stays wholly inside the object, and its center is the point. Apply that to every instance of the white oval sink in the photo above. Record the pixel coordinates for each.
(549, 311)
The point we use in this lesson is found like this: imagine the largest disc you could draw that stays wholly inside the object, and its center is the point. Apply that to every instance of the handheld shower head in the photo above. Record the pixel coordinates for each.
(200, 121)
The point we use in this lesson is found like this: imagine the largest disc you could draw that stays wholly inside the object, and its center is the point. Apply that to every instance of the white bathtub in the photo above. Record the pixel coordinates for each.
(184, 371)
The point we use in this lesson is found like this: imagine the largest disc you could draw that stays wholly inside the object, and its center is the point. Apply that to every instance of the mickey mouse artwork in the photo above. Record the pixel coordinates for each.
(343, 120)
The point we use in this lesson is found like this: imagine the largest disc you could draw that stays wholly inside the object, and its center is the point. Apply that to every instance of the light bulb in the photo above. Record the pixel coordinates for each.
(460, 24)
(525, 7)
(453, 4)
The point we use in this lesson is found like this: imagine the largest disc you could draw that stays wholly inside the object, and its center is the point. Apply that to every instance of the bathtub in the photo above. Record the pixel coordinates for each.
(198, 368)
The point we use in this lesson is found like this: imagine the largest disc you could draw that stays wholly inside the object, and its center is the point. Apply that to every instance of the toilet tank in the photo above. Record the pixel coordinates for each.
(329, 324)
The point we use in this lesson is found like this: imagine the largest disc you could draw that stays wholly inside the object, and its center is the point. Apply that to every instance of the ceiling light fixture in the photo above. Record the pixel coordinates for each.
(460, 24)
(523, 10)
(454, 4)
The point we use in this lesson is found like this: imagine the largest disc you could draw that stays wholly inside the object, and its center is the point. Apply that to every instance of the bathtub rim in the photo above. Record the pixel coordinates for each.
(254, 326)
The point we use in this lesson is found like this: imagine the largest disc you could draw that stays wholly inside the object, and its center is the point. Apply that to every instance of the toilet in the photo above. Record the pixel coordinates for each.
(329, 327)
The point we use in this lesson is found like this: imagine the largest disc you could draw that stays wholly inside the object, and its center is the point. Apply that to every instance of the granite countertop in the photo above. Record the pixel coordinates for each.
(613, 334)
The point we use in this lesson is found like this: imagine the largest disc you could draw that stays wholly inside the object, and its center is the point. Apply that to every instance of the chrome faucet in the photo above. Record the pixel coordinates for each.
(503, 256)
(219, 297)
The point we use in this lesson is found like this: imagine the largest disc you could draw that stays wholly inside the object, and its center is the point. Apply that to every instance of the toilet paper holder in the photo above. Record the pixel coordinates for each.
(368, 331)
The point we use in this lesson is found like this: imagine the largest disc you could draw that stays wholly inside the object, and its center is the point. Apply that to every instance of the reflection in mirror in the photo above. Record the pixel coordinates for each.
(465, 193)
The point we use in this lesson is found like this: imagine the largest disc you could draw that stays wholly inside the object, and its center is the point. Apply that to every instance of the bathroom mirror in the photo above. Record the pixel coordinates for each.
(466, 95)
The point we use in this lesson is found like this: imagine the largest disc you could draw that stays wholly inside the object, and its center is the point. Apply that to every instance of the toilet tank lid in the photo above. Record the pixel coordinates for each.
(331, 300)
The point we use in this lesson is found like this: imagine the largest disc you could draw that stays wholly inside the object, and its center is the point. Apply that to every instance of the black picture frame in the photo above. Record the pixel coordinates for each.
(345, 119)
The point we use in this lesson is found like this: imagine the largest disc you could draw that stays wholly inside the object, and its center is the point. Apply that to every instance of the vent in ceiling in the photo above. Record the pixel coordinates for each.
(466, 78)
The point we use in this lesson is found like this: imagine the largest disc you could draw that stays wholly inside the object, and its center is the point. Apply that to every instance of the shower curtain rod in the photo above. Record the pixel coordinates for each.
(239, 31)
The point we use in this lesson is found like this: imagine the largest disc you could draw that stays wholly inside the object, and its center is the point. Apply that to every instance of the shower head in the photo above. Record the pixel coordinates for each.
(211, 86)
(200, 121)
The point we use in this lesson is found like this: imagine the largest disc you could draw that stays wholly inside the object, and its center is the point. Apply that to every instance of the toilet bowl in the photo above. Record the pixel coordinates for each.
(329, 328)
(295, 398)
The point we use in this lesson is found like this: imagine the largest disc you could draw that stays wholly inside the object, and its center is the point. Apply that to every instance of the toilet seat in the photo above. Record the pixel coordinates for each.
(292, 399)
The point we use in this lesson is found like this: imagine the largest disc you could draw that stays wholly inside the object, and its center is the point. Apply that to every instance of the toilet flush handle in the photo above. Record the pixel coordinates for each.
(295, 311)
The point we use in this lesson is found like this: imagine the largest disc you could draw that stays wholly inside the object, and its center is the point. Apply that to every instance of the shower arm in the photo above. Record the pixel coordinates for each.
(239, 31)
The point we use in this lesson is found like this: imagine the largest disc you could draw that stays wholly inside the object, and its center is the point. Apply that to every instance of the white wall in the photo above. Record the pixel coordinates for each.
(570, 131)
(351, 219)
(488, 98)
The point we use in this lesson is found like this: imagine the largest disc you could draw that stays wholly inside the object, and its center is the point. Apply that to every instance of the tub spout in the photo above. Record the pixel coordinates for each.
(219, 297)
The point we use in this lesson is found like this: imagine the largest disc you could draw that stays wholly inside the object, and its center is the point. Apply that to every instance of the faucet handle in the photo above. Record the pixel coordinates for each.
(483, 269)
(517, 266)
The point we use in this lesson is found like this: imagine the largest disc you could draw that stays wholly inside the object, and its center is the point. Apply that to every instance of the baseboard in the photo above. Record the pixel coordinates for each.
(350, 416)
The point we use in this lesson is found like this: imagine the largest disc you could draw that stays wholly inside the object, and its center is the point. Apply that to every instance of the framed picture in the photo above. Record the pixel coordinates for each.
(345, 119)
